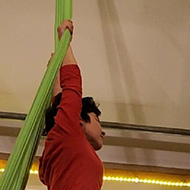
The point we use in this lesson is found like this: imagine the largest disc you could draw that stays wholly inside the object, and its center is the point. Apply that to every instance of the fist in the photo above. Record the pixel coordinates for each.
(66, 24)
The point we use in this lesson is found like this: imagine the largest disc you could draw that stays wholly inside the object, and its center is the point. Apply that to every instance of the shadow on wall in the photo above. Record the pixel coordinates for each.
(155, 16)
(118, 61)
(164, 25)
(117, 56)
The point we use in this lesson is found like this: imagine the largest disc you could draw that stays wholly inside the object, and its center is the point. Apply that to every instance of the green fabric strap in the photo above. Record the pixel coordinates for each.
(19, 163)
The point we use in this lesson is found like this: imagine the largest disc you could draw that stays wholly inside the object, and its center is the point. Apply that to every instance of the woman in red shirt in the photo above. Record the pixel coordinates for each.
(74, 133)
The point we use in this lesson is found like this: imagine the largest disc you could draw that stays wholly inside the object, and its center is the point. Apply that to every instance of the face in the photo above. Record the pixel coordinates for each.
(93, 131)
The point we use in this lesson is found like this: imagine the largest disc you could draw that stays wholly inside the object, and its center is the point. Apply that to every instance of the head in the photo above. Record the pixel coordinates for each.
(89, 120)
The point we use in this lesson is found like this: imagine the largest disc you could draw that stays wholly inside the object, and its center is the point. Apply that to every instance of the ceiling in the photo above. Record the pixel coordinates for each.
(134, 56)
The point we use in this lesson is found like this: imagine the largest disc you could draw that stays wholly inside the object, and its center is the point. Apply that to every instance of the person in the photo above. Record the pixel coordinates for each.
(74, 133)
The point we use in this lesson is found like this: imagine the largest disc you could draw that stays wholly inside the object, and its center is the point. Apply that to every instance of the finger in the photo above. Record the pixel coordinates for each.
(65, 23)
(70, 30)
(59, 32)
(52, 54)
(68, 20)
(70, 27)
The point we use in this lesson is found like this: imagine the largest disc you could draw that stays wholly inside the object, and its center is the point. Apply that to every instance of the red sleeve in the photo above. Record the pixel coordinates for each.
(68, 115)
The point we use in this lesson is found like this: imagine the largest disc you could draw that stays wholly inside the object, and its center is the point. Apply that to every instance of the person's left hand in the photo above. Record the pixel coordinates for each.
(66, 24)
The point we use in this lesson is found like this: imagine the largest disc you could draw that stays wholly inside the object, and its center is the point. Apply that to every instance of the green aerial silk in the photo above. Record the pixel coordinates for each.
(17, 169)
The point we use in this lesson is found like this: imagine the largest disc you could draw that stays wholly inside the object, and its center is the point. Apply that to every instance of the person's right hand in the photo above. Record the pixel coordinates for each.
(66, 24)
(52, 54)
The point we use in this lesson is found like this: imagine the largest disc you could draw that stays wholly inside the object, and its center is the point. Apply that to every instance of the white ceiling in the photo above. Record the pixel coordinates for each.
(134, 56)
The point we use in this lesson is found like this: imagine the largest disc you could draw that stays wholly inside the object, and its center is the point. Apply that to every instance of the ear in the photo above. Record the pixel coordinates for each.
(81, 123)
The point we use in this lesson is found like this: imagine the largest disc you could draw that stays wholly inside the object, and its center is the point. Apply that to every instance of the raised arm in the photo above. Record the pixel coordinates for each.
(69, 109)
(69, 57)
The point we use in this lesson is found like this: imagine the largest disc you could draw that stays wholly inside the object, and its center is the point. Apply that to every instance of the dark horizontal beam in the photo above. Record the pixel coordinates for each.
(10, 115)
(145, 128)
(112, 125)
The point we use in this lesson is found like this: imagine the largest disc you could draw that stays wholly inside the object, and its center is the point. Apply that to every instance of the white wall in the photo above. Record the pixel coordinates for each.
(134, 56)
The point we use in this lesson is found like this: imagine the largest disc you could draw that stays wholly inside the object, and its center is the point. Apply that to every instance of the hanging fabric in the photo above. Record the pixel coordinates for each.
(19, 163)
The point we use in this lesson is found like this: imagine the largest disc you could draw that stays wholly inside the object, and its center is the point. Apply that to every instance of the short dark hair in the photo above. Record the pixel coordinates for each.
(88, 106)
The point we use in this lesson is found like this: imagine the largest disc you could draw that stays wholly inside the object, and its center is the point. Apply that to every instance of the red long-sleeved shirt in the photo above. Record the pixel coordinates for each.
(68, 161)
